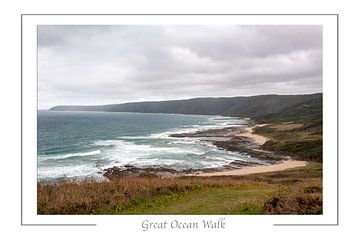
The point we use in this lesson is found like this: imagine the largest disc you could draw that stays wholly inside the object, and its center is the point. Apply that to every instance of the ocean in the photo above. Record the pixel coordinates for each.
(83, 144)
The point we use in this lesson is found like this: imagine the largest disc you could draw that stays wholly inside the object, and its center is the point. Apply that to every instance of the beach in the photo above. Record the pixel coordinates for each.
(196, 118)
(250, 184)
(234, 139)
(166, 145)
(249, 132)
(288, 164)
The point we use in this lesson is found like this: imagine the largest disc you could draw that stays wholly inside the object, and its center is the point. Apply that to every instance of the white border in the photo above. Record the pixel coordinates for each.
(130, 223)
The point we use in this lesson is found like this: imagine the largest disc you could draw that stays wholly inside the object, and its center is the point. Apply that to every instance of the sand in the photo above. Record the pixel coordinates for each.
(287, 164)
(258, 139)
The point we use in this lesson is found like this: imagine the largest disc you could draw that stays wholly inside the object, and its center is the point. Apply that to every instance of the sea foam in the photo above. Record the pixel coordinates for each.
(70, 155)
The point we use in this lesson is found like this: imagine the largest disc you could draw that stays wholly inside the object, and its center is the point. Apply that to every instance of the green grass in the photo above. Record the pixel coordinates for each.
(303, 143)
(293, 191)
(225, 200)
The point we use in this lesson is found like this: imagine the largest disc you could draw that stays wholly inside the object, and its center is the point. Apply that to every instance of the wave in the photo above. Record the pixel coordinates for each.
(124, 152)
(71, 155)
(148, 150)
(108, 142)
(213, 124)
(133, 137)
(73, 171)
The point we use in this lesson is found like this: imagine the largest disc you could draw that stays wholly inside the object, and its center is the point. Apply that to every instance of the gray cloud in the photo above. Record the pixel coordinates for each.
(115, 64)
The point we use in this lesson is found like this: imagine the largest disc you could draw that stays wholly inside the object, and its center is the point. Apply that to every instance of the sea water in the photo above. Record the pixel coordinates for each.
(83, 144)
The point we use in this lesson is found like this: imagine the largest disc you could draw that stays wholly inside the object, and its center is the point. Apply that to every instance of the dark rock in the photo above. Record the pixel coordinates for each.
(131, 170)
(224, 132)
(241, 164)
(230, 141)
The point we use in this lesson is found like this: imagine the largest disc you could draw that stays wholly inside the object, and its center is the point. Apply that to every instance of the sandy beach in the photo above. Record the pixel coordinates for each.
(259, 140)
(249, 132)
(255, 169)
(239, 139)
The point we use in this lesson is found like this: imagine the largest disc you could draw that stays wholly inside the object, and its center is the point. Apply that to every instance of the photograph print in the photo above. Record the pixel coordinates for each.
(180, 119)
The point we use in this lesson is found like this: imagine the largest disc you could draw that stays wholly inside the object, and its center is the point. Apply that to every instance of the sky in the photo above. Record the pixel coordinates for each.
(94, 65)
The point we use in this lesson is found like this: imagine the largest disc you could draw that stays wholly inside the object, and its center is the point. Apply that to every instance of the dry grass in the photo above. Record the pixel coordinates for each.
(286, 126)
(294, 191)
(304, 197)
(94, 197)
(298, 204)
(301, 141)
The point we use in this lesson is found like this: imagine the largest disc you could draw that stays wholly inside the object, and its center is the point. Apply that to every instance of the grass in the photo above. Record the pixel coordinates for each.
(303, 142)
(227, 199)
(294, 191)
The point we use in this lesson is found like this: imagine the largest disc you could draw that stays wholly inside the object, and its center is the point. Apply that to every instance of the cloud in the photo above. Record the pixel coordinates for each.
(115, 64)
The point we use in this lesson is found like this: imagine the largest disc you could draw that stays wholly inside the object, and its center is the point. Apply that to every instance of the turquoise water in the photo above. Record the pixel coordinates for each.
(82, 144)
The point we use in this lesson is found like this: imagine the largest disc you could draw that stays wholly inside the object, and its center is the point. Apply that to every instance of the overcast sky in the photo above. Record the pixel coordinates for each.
(91, 65)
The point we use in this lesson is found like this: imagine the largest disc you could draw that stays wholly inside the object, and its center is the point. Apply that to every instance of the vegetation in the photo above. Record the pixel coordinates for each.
(295, 191)
(295, 129)
(303, 142)
(309, 110)
(261, 107)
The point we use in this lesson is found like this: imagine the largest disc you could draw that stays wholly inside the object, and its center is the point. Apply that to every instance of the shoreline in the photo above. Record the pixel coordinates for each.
(239, 139)
(283, 165)
(286, 163)
(258, 139)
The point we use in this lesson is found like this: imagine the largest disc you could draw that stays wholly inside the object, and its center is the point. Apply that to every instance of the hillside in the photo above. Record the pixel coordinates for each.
(261, 107)
(307, 111)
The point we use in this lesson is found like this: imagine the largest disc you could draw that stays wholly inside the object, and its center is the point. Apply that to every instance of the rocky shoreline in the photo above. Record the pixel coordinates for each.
(133, 171)
(234, 142)
(223, 132)
(227, 138)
